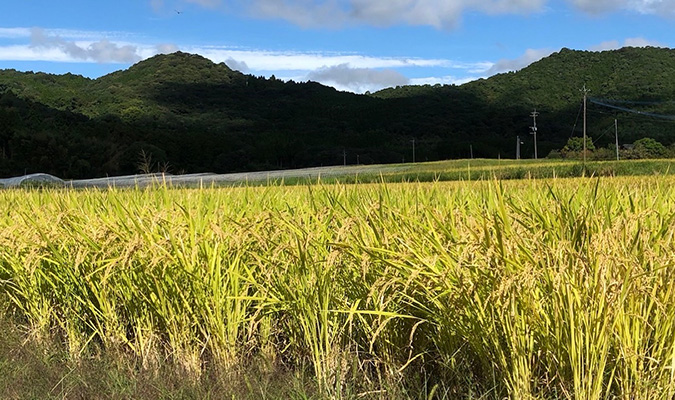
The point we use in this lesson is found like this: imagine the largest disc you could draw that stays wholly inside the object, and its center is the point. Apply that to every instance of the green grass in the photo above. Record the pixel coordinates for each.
(482, 169)
(526, 289)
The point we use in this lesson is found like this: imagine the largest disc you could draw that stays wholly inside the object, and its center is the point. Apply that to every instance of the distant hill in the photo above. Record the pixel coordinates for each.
(183, 112)
(499, 107)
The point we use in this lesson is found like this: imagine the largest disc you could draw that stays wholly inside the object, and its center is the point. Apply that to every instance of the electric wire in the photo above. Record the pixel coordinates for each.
(630, 110)
(574, 128)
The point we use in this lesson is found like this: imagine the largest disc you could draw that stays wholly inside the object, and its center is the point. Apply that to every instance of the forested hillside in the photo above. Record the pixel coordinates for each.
(184, 113)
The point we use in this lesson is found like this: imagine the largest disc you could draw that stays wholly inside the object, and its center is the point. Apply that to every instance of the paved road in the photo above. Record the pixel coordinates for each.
(205, 179)
(208, 179)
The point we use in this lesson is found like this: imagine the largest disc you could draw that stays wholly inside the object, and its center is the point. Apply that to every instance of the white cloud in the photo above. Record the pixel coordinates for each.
(344, 71)
(23, 32)
(28, 53)
(437, 13)
(530, 56)
(597, 6)
(300, 12)
(350, 72)
(659, 7)
(629, 42)
(359, 80)
(642, 42)
(441, 14)
(161, 6)
(237, 65)
(166, 48)
(14, 33)
(205, 3)
(262, 60)
(102, 51)
(443, 80)
(88, 46)
(607, 45)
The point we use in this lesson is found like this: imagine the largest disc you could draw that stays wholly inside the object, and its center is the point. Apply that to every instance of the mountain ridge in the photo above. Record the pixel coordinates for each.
(192, 115)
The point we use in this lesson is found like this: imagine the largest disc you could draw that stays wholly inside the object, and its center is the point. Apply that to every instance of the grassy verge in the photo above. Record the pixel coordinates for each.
(453, 170)
(474, 170)
(31, 369)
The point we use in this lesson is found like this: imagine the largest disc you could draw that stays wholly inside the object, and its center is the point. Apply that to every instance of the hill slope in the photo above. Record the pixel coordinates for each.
(501, 104)
(192, 115)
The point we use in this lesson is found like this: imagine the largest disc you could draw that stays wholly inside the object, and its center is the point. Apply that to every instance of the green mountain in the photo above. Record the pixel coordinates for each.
(190, 115)
(498, 108)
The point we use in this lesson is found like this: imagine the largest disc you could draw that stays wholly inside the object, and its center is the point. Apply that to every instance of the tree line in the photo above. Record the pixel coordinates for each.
(187, 114)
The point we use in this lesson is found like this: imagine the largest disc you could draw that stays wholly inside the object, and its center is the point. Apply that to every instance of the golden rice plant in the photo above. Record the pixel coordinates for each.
(531, 289)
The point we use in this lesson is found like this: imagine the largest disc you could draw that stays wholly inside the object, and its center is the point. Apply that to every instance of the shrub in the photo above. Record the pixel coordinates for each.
(649, 148)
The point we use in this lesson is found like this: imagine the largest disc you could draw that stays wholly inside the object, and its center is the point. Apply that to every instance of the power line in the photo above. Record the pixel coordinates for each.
(632, 117)
(627, 116)
(609, 128)
(630, 110)
(574, 128)
(648, 103)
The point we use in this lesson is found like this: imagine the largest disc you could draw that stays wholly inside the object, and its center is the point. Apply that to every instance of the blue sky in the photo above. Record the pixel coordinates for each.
(354, 45)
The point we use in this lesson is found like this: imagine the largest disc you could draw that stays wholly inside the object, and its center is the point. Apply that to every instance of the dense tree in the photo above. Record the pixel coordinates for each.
(193, 115)
(576, 144)
(649, 148)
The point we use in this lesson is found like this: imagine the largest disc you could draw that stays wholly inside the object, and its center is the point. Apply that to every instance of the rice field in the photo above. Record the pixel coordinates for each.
(528, 289)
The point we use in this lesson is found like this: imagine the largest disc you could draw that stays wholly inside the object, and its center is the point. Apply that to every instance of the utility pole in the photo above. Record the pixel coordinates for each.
(344, 157)
(616, 135)
(518, 143)
(413, 143)
(534, 130)
(471, 150)
(585, 102)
